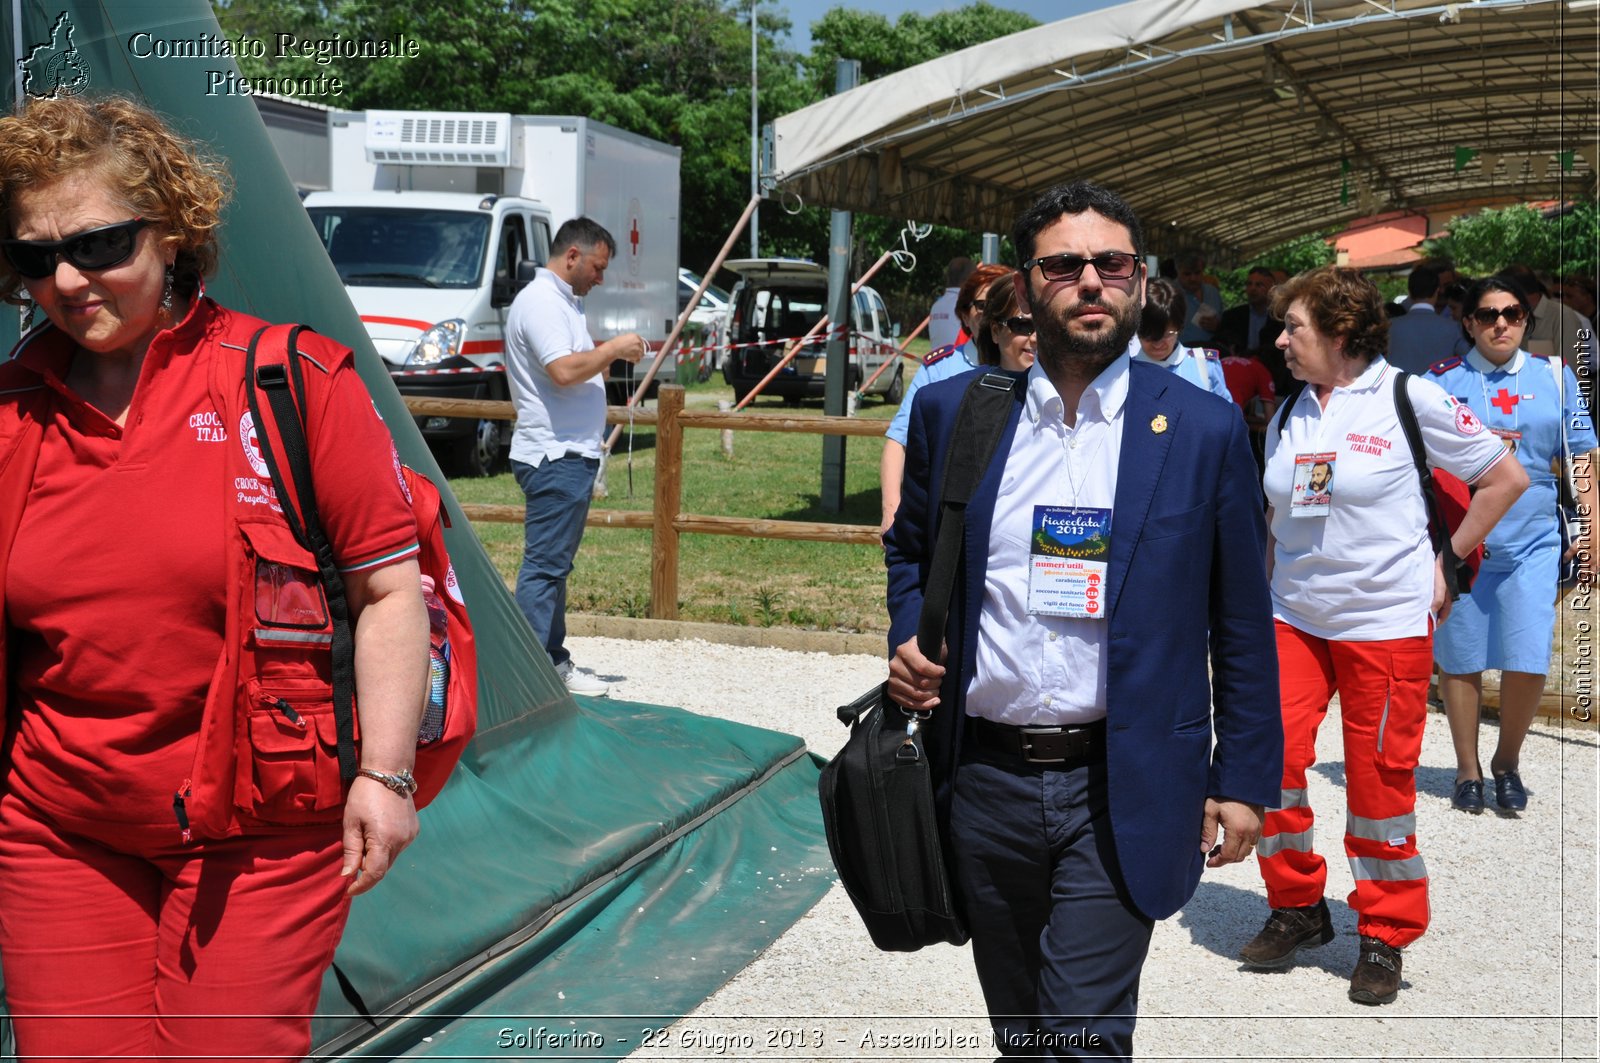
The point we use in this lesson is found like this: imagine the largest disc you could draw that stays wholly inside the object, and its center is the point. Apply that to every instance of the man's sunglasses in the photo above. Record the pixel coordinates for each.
(1111, 266)
(1486, 315)
(92, 249)
(1019, 326)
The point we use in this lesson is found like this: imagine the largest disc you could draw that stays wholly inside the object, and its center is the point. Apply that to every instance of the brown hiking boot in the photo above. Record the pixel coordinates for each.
(1288, 930)
(1377, 975)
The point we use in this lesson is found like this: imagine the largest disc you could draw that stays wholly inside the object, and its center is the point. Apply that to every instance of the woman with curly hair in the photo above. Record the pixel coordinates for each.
(1356, 592)
(128, 482)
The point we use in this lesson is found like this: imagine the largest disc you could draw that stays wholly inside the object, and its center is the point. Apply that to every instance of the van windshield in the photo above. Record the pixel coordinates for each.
(401, 247)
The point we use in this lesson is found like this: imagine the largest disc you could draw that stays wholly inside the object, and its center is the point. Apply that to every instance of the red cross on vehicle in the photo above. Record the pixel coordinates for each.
(1504, 401)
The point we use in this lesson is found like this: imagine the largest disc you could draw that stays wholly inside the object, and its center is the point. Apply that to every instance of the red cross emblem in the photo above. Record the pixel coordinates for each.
(1504, 401)
(633, 238)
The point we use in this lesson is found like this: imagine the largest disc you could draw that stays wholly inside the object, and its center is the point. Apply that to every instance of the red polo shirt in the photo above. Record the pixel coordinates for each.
(115, 588)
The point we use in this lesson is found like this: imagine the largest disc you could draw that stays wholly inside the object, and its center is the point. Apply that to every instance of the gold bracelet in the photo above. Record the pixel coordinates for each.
(401, 782)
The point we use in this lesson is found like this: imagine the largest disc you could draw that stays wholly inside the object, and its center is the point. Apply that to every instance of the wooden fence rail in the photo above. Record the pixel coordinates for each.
(666, 520)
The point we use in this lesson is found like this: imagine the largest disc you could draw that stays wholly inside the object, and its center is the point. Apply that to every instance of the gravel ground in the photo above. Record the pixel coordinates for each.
(1506, 971)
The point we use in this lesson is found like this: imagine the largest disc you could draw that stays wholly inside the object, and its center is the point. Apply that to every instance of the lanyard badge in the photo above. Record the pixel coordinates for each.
(1068, 554)
(1312, 495)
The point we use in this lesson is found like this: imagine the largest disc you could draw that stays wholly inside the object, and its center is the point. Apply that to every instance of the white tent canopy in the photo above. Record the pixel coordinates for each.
(1230, 125)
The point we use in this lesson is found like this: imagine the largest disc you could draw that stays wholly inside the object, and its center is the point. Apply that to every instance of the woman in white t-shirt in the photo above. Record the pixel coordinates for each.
(1356, 590)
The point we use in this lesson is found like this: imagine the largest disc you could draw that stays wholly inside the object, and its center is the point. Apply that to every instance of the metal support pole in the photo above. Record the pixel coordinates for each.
(755, 139)
(847, 72)
(991, 248)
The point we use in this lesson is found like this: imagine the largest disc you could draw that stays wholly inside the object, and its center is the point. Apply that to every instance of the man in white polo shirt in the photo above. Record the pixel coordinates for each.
(557, 377)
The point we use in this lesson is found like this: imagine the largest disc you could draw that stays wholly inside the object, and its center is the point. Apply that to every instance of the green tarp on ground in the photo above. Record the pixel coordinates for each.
(574, 840)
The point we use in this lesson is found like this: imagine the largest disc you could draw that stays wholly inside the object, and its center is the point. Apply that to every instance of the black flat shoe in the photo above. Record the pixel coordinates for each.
(1469, 795)
(1509, 793)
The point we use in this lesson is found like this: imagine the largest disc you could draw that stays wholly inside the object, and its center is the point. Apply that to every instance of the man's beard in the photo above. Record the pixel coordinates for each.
(1081, 356)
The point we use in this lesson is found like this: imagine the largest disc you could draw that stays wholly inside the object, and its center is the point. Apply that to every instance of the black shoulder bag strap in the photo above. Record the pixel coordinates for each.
(284, 386)
(979, 423)
(1438, 530)
(1288, 403)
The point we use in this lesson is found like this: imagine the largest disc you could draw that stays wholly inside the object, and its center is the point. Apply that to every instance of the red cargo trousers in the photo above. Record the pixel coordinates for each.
(1383, 702)
(119, 941)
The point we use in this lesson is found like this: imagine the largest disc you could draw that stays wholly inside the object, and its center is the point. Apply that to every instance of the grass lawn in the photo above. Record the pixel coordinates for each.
(725, 579)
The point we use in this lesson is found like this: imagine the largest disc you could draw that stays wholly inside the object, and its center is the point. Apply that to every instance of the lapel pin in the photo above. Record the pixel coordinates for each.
(1158, 423)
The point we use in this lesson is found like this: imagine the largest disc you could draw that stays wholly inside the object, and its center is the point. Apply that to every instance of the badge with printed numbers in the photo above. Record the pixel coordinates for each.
(1068, 554)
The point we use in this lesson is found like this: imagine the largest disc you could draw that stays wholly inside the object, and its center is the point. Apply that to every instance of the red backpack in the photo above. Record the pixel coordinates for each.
(279, 738)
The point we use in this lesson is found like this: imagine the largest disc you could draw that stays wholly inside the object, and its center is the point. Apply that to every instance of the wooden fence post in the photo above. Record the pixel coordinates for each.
(668, 502)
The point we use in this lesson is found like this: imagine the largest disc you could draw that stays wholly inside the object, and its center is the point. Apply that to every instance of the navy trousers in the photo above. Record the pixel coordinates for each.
(1056, 940)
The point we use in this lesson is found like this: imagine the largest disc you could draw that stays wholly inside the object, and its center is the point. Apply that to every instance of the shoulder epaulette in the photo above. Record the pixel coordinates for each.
(1445, 365)
(939, 354)
(1211, 353)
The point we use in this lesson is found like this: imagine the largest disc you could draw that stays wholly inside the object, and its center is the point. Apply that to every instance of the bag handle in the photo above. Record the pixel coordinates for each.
(980, 422)
(1438, 529)
(283, 383)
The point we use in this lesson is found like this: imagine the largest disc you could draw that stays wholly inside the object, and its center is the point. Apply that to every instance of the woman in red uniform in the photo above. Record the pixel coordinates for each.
(120, 497)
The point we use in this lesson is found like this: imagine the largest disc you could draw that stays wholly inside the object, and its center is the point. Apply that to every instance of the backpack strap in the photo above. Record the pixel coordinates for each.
(980, 421)
(1288, 403)
(283, 383)
(1438, 529)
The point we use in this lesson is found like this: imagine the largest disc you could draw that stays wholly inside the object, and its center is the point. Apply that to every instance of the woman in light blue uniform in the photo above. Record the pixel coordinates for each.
(941, 364)
(1509, 619)
(1165, 311)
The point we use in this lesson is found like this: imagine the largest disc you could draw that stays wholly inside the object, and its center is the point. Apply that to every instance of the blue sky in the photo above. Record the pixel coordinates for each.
(804, 12)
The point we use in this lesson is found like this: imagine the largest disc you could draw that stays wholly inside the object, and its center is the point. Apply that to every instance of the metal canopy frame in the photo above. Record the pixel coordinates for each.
(1233, 126)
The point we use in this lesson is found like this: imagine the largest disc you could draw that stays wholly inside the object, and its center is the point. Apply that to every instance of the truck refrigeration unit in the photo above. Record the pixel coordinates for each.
(432, 219)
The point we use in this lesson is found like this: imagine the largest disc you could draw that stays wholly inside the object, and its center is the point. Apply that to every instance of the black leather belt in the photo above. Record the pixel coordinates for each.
(1040, 745)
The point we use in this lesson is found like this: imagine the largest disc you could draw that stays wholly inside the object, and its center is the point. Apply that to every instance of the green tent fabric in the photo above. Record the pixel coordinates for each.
(560, 812)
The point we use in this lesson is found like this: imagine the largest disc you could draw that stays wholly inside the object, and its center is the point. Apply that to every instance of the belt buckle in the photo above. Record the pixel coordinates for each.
(1027, 733)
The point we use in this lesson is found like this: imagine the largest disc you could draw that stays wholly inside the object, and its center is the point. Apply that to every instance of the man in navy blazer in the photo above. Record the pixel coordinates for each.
(1083, 761)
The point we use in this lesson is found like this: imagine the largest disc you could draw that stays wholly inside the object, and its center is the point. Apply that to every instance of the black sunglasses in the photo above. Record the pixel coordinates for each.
(1019, 326)
(1111, 266)
(1486, 315)
(92, 249)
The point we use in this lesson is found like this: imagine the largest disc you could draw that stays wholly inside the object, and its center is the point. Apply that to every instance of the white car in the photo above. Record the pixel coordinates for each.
(776, 301)
(704, 328)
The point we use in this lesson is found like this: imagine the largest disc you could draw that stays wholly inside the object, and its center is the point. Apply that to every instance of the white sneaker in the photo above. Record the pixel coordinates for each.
(581, 682)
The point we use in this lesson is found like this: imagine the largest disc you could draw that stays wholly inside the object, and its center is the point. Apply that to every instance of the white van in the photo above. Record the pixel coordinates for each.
(775, 302)
(433, 275)
(436, 218)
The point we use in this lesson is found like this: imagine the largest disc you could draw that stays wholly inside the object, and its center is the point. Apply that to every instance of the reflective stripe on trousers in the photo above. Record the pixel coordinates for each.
(1382, 689)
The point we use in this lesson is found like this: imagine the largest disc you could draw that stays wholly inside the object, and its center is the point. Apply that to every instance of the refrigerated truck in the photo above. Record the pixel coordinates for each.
(436, 219)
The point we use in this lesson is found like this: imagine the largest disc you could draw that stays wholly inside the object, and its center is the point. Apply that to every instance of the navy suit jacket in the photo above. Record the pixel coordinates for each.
(1186, 585)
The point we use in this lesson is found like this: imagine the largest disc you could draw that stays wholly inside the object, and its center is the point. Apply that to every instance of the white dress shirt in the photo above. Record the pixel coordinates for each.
(1047, 670)
(545, 323)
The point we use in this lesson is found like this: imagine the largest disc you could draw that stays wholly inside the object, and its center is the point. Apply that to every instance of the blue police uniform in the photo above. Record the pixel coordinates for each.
(940, 364)
(1508, 620)
(1200, 366)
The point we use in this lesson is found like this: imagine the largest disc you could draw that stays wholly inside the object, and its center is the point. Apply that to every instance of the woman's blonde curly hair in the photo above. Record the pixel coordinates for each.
(158, 174)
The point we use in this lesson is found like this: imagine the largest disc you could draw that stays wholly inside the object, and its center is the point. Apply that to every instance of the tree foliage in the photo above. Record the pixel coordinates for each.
(1293, 256)
(677, 72)
(1485, 242)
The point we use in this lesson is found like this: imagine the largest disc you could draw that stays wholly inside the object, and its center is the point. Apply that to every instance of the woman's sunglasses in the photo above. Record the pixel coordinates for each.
(93, 249)
(1486, 315)
(1019, 326)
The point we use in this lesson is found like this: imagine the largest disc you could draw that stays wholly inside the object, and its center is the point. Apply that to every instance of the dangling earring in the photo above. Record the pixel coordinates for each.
(166, 293)
(29, 307)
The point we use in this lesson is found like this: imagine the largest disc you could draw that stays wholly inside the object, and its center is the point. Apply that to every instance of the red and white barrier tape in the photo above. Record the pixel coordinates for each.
(876, 347)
